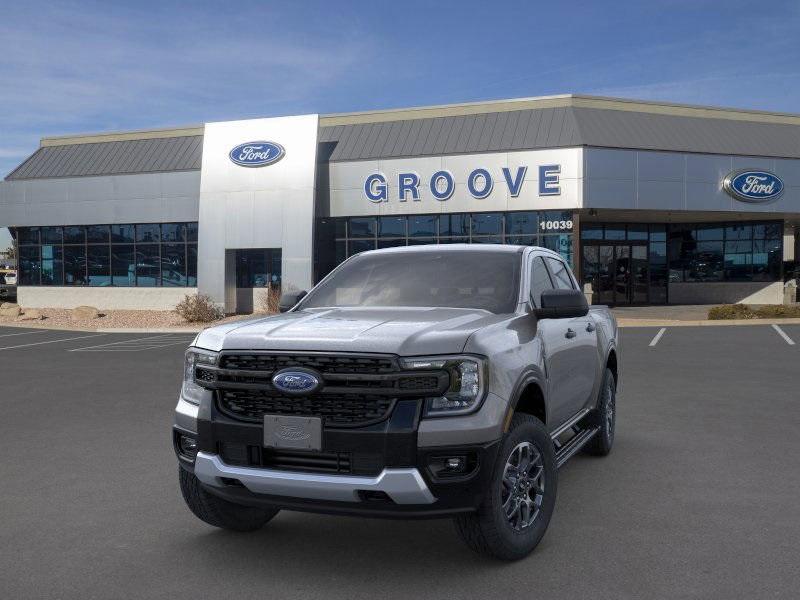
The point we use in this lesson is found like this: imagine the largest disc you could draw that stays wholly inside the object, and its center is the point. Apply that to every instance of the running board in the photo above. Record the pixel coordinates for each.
(565, 452)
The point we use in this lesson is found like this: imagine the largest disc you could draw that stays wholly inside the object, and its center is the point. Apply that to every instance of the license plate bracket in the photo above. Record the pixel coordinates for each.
(290, 432)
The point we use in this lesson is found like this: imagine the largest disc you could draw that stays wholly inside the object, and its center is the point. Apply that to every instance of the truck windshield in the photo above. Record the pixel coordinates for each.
(438, 278)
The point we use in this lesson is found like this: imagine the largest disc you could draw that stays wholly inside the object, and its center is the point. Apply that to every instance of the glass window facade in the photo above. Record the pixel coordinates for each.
(143, 255)
(633, 263)
(339, 238)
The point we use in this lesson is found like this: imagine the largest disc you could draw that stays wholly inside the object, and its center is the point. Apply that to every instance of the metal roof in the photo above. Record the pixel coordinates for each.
(489, 132)
(560, 127)
(182, 153)
(504, 125)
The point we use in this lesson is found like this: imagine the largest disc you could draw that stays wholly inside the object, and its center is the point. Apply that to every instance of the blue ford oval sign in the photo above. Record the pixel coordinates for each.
(257, 154)
(291, 381)
(753, 186)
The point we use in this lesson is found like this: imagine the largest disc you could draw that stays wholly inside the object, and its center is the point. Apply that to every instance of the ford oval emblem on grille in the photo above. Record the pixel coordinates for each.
(295, 381)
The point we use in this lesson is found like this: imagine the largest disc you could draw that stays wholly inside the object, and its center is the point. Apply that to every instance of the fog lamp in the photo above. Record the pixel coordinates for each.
(187, 446)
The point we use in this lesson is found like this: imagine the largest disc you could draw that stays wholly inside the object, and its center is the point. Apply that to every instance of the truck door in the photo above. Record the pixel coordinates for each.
(570, 346)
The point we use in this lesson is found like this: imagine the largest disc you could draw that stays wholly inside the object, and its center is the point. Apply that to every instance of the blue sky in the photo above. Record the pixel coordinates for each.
(74, 67)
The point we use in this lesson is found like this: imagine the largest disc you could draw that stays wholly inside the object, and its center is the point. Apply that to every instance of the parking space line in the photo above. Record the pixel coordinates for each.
(658, 336)
(23, 333)
(782, 333)
(146, 343)
(82, 337)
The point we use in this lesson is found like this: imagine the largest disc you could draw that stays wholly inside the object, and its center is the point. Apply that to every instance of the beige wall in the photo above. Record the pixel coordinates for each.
(726, 292)
(104, 298)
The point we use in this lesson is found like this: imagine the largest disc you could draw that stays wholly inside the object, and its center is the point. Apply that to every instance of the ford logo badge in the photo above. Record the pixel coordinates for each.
(290, 381)
(753, 186)
(257, 154)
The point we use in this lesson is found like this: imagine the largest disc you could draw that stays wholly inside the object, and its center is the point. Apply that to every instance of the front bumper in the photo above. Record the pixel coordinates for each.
(402, 486)
(389, 472)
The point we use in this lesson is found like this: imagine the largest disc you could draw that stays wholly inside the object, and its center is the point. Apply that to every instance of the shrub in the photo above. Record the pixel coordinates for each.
(747, 311)
(198, 308)
(269, 299)
(731, 311)
(780, 311)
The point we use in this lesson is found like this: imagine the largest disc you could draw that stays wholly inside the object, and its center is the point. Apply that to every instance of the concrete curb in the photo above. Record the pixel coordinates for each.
(42, 325)
(722, 323)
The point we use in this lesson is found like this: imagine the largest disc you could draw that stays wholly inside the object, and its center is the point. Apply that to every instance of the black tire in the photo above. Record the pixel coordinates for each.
(218, 512)
(605, 416)
(489, 531)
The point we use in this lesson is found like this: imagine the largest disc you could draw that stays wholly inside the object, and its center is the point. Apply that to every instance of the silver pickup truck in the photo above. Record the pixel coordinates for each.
(424, 381)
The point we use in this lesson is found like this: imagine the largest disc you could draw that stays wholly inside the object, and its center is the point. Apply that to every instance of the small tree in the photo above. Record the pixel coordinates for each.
(10, 252)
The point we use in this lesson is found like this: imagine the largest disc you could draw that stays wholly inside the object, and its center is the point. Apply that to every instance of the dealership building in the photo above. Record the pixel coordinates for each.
(652, 203)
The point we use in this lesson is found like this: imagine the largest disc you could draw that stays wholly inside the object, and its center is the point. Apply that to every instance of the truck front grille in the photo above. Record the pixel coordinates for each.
(357, 390)
(342, 410)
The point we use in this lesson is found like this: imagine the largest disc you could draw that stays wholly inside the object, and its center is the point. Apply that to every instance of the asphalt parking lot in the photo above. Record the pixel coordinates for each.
(699, 498)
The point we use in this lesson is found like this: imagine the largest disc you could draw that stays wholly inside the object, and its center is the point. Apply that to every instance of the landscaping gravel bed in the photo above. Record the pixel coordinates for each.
(59, 318)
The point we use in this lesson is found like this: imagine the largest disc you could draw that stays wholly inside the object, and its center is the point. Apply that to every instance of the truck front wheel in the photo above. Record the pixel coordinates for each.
(516, 510)
(218, 512)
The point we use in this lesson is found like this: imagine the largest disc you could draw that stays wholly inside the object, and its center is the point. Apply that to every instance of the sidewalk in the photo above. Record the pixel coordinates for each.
(676, 316)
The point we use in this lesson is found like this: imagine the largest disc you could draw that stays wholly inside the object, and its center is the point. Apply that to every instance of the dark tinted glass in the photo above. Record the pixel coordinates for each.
(739, 232)
(149, 232)
(768, 231)
(454, 225)
(29, 265)
(487, 224)
(191, 265)
(28, 235)
(391, 243)
(357, 246)
(191, 232)
(392, 227)
(148, 265)
(99, 262)
(52, 265)
(591, 231)
(123, 266)
(522, 223)
(51, 235)
(469, 279)
(362, 227)
(173, 265)
(708, 232)
(658, 233)
(422, 226)
(97, 234)
(74, 234)
(540, 281)
(522, 240)
(637, 232)
(615, 232)
(341, 228)
(75, 265)
(173, 232)
(122, 234)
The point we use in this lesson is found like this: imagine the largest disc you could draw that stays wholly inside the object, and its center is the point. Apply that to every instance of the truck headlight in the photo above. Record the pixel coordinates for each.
(190, 390)
(467, 383)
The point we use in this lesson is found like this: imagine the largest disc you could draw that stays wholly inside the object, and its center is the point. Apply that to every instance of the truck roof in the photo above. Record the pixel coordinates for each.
(510, 248)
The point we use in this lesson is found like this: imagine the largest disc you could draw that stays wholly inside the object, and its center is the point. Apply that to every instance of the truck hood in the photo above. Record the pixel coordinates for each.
(402, 331)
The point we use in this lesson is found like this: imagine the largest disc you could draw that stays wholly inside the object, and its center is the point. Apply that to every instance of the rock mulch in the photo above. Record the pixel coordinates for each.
(57, 318)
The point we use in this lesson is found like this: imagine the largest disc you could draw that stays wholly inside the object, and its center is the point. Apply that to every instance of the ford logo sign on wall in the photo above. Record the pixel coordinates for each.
(257, 154)
(292, 381)
(753, 186)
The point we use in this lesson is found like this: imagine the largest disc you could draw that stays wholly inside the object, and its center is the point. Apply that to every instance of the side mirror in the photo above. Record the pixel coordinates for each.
(562, 304)
(290, 299)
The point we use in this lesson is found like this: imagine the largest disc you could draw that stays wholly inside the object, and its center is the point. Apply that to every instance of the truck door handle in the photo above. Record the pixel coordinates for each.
(590, 327)
(570, 334)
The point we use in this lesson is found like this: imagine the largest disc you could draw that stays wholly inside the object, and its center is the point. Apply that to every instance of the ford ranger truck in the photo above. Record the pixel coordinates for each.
(424, 381)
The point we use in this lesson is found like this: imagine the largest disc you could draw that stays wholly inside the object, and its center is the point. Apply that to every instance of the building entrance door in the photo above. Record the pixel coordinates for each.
(618, 272)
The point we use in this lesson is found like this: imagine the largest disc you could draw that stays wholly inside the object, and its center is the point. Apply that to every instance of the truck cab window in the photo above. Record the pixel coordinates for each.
(540, 280)
(561, 276)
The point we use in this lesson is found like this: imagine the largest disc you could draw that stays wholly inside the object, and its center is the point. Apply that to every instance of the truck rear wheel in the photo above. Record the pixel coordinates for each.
(516, 511)
(218, 512)
(605, 417)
